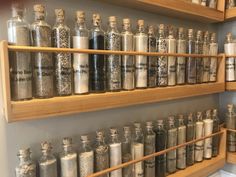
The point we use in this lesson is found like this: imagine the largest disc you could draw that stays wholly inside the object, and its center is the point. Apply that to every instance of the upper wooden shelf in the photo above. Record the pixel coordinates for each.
(176, 8)
(41, 108)
(230, 14)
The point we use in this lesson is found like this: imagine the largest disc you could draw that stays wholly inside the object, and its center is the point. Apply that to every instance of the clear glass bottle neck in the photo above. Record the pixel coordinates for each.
(24, 160)
(181, 36)
(81, 24)
(141, 29)
(68, 149)
(127, 27)
(39, 17)
(60, 21)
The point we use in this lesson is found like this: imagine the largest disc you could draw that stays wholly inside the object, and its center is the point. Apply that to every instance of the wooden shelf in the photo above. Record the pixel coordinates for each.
(173, 8)
(230, 86)
(230, 14)
(57, 106)
(231, 157)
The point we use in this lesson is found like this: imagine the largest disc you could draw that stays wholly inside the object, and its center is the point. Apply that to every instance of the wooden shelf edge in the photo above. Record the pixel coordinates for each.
(231, 157)
(41, 108)
(230, 86)
(230, 14)
(173, 8)
(204, 168)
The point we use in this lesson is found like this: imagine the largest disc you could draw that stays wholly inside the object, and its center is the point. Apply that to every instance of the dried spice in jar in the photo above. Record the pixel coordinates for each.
(63, 69)
(43, 62)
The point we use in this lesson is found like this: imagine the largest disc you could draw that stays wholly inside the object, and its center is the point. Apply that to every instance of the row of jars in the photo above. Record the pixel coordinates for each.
(208, 3)
(230, 63)
(231, 124)
(135, 143)
(58, 75)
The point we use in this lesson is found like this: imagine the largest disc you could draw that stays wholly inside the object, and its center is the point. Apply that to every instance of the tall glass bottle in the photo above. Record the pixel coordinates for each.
(171, 44)
(127, 64)
(63, 68)
(216, 128)
(213, 51)
(27, 167)
(231, 124)
(68, 159)
(48, 162)
(101, 153)
(181, 152)
(20, 62)
(113, 42)
(81, 61)
(141, 40)
(149, 148)
(191, 61)
(43, 62)
(86, 157)
(127, 152)
(208, 128)
(181, 61)
(152, 60)
(97, 62)
(199, 61)
(171, 141)
(229, 48)
(162, 61)
(161, 138)
(190, 136)
(138, 150)
(115, 152)
(206, 60)
(199, 134)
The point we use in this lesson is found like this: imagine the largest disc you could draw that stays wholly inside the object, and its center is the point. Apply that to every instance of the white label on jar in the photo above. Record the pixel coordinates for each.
(230, 63)
(115, 159)
(171, 62)
(138, 152)
(81, 66)
(199, 144)
(141, 61)
(208, 128)
(69, 165)
(86, 163)
(181, 62)
(213, 64)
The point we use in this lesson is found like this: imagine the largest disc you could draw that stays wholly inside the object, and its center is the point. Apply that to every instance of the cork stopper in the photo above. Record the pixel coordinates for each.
(171, 120)
(84, 138)
(181, 120)
(46, 146)
(199, 116)
(127, 130)
(161, 28)
(230, 107)
(126, 21)
(112, 19)
(160, 122)
(100, 135)
(67, 142)
(208, 114)
(96, 19)
(24, 153)
(190, 32)
(113, 131)
(181, 30)
(199, 35)
(213, 37)
(39, 8)
(190, 117)
(80, 16)
(137, 124)
(214, 112)
(229, 38)
(60, 14)
(151, 29)
(140, 22)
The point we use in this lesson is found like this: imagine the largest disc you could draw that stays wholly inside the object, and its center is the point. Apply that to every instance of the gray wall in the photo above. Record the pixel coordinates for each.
(31, 133)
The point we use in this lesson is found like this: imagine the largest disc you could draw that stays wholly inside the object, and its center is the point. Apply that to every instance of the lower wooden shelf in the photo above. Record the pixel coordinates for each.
(202, 169)
(230, 14)
(39, 108)
(230, 86)
(231, 157)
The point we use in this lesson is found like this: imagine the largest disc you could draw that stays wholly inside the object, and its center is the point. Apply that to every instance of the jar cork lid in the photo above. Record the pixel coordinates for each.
(80, 14)
(84, 138)
(100, 134)
(60, 13)
(140, 22)
(112, 19)
(213, 37)
(137, 124)
(45, 146)
(96, 17)
(199, 116)
(214, 112)
(127, 129)
(149, 124)
(160, 122)
(190, 31)
(126, 21)
(39, 8)
(113, 131)
(24, 152)
(151, 29)
(230, 107)
(67, 141)
(181, 30)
